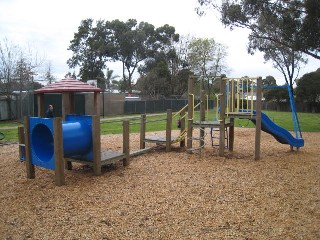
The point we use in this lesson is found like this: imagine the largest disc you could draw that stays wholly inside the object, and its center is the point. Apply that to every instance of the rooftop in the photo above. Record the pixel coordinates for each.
(68, 85)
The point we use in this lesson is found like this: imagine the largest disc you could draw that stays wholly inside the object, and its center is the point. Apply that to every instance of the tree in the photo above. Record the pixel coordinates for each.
(17, 70)
(128, 42)
(308, 88)
(48, 77)
(206, 59)
(277, 30)
(180, 82)
(269, 81)
(274, 93)
(157, 81)
(9, 57)
(277, 94)
(71, 75)
(90, 49)
(110, 78)
(297, 22)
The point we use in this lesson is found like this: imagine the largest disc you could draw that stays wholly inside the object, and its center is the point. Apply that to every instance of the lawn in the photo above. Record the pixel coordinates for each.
(309, 122)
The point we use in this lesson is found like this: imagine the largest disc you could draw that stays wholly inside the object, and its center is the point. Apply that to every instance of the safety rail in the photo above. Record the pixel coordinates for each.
(240, 95)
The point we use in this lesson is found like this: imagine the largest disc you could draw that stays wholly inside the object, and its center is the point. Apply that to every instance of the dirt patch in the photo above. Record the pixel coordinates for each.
(171, 195)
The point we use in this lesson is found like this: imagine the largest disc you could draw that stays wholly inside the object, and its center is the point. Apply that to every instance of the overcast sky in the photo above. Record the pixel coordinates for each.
(48, 26)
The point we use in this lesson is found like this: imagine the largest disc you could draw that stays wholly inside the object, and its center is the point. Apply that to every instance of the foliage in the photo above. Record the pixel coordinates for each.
(206, 59)
(282, 29)
(308, 88)
(71, 75)
(277, 94)
(89, 49)
(48, 74)
(271, 92)
(128, 42)
(287, 24)
(17, 70)
(269, 81)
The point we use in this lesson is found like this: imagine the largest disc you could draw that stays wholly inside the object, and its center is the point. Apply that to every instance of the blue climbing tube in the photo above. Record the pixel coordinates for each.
(76, 134)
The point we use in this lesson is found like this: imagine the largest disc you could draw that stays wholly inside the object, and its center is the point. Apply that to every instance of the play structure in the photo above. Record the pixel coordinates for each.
(55, 143)
(239, 98)
(243, 99)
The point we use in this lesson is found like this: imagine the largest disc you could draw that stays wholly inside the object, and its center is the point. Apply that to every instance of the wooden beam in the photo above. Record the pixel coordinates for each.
(71, 102)
(96, 103)
(58, 152)
(41, 107)
(182, 126)
(96, 145)
(65, 104)
(231, 134)
(142, 131)
(125, 141)
(222, 117)
(258, 119)
(190, 111)
(21, 142)
(202, 117)
(168, 130)
(29, 165)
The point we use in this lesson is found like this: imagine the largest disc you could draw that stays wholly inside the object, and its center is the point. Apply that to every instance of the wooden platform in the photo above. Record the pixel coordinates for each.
(245, 115)
(210, 124)
(107, 157)
(159, 139)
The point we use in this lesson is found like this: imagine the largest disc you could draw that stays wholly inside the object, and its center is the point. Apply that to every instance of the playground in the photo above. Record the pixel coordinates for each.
(67, 181)
(170, 195)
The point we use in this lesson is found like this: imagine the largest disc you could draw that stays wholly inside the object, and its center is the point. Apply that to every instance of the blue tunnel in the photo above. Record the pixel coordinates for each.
(76, 134)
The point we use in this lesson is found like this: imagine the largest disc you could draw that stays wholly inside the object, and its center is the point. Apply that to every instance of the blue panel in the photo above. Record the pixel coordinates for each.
(41, 142)
(76, 135)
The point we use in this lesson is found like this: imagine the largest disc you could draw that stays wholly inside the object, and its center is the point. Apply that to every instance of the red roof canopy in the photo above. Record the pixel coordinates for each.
(68, 85)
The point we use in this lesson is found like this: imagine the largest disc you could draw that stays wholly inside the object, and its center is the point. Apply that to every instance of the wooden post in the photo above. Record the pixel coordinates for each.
(202, 116)
(182, 126)
(96, 102)
(96, 145)
(168, 130)
(258, 118)
(29, 165)
(190, 112)
(125, 141)
(71, 102)
(231, 134)
(222, 117)
(41, 107)
(58, 152)
(66, 109)
(21, 142)
(65, 105)
(142, 131)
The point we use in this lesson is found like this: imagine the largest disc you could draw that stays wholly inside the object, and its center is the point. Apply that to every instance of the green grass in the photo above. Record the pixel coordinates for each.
(309, 122)
(9, 124)
(10, 135)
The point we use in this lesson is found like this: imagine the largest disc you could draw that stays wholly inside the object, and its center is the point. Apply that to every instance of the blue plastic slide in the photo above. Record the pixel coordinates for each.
(279, 133)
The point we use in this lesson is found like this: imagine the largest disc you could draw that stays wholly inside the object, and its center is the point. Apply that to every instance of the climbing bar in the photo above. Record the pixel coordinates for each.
(177, 113)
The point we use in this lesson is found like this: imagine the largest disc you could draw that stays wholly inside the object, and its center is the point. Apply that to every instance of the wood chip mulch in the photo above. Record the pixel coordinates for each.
(170, 195)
